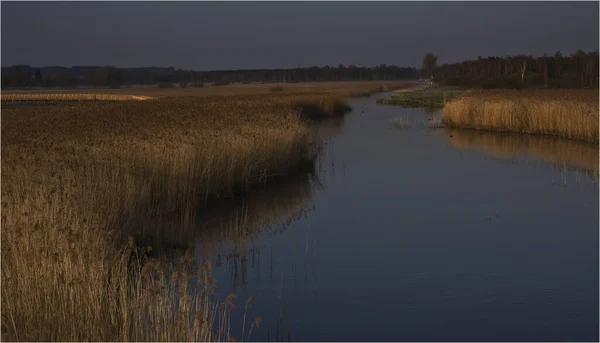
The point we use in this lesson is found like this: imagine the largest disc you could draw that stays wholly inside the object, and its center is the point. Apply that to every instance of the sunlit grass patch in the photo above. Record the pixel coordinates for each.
(571, 114)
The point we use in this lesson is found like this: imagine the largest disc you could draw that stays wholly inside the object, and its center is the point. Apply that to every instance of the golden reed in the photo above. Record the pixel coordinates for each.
(571, 114)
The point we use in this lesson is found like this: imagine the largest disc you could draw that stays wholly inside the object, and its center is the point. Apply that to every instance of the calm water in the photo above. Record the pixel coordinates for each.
(417, 234)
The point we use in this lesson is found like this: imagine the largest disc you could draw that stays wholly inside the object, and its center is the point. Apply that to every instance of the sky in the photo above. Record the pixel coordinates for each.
(247, 35)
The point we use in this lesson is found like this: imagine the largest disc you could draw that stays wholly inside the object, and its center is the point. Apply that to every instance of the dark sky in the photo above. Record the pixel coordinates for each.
(231, 35)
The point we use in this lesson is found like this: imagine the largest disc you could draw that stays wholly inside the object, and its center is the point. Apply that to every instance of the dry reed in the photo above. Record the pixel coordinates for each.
(571, 114)
(79, 178)
(341, 89)
(70, 97)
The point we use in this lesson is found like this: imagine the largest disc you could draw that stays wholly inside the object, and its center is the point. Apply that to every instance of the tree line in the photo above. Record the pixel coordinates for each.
(19, 76)
(579, 70)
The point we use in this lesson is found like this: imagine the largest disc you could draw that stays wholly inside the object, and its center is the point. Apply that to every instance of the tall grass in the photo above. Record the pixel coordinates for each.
(79, 179)
(570, 114)
(430, 97)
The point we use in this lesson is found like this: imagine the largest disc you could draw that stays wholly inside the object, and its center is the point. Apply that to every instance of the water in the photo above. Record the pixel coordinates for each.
(419, 234)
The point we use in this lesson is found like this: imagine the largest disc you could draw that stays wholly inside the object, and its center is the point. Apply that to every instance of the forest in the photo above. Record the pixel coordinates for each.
(579, 70)
(24, 76)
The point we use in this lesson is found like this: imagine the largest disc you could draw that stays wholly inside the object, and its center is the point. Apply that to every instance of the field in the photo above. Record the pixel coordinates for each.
(571, 114)
(71, 97)
(431, 97)
(88, 185)
(344, 89)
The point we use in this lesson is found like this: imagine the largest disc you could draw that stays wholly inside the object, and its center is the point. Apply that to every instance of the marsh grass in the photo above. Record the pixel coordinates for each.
(339, 89)
(321, 106)
(83, 185)
(571, 114)
(71, 97)
(430, 97)
(435, 121)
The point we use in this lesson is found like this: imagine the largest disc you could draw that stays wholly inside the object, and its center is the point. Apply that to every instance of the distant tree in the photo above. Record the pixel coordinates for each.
(558, 62)
(563, 71)
(38, 75)
(523, 70)
(429, 63)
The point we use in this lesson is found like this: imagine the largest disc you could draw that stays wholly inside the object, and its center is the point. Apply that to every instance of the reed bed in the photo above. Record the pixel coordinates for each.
(571, 114)
(86, 184)
(71, 97)
(341, 89)
(423, 97)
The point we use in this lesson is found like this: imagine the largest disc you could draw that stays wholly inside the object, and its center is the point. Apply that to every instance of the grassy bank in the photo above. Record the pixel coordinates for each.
(571, 114)
(79, 179)
(431, 97)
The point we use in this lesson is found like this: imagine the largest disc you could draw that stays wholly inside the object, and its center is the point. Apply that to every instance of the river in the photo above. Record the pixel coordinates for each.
(420, 234)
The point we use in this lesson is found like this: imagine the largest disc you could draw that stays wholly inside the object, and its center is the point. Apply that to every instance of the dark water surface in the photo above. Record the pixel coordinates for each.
(419, 234)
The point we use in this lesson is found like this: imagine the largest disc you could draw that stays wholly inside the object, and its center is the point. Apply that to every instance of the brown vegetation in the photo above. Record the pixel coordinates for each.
(571, 114)
(342, 89)
(70, 97)
(78, 179)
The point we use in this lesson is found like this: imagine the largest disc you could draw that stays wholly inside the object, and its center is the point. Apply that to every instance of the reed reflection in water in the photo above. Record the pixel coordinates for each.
(575, 155)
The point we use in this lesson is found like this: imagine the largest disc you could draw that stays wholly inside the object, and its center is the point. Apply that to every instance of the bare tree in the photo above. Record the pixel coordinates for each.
(429, 63)
(523, 70)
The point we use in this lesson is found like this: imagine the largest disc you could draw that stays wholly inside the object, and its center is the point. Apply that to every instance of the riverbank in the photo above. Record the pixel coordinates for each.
(85, 184)
(571, 114)
(423, 96)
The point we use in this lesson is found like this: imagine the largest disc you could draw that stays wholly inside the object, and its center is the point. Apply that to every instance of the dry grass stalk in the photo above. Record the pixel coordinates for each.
(571, 114)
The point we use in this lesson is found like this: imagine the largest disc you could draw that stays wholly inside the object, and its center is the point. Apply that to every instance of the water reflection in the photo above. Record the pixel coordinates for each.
(373, 244)
(576, 156)
(228, 233)
(228, 224)
(237, 238)
(329, 128)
